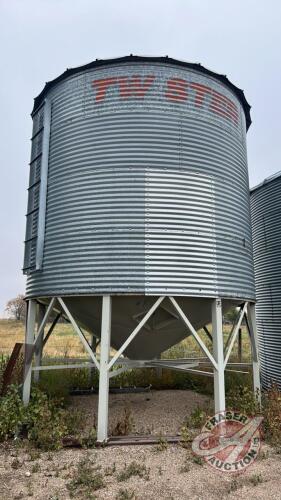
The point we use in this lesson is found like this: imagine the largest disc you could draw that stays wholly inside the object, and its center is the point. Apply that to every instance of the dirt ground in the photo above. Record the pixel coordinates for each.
(168, 472)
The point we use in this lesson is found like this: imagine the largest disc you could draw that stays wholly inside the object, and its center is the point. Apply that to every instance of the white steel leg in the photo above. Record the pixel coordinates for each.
(217, 334)
(254, 348)
(39, 347)
(94, 343)
(102, 433)
(29, 339)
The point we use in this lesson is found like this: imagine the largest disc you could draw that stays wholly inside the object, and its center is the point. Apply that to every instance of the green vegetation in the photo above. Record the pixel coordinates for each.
(12, 414)
(64, 345)
(272, 417)
(197, 460)
(124, 494)
(16, 464)
(45, 421)
(87, 478)
(197, 418)
(110, 470)
(233, 485)
(35, 468)
(162, 444)
(133, 469)
(256, 479)
(54, 384)
(186, 437)
(242, 398)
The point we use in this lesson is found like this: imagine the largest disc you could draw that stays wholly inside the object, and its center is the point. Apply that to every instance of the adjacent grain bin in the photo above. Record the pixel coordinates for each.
(138, 223)
(266, 221)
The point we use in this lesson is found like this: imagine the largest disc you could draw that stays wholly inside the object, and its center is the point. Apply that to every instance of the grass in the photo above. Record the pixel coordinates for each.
(62, 343)
(65, 345)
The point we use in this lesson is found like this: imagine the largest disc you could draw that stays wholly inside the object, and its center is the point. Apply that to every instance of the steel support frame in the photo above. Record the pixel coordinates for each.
(29, 339)
(217, 333)
(234, 333)
(94, 344)
(102, 431)
(41, 309)
(218, 360)
(34, 345)
(79, 332)
(252, 328)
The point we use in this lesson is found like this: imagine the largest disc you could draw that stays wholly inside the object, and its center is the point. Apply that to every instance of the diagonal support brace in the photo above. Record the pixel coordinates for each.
(135, 332)
(235, 333)
(79, 332)
(40, 334)
(193, 331)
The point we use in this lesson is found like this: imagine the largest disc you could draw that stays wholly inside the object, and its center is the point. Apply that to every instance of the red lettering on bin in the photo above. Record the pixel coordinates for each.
(176, 89)
(135, 86)
(102, 85)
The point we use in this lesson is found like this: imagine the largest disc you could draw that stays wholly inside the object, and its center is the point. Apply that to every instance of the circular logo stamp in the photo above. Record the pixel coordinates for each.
(229, 441)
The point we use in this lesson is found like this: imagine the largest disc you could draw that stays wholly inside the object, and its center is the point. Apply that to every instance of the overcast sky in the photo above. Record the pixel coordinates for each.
(39, 39)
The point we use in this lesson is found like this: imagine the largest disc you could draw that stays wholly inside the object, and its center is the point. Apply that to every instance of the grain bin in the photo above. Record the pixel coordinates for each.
(266, 221)
(139, 202)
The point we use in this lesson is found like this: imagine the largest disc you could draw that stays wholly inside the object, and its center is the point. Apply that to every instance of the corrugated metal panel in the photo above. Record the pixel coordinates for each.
(166, 61)
(266, 220)
(146, 194)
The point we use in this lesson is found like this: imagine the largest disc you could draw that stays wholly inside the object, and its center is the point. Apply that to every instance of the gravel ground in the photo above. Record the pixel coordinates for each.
(172, 474)
(153, 412)
(168, 473)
